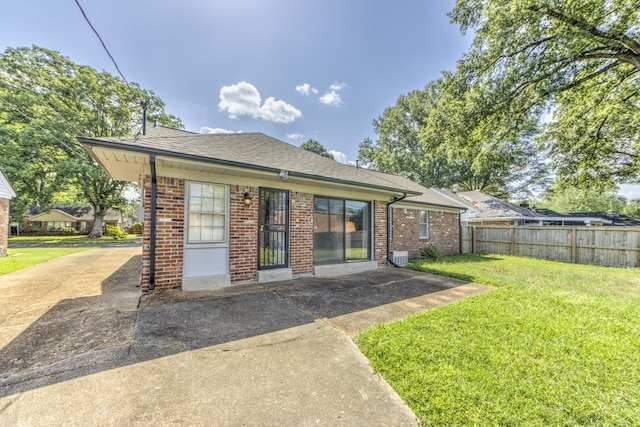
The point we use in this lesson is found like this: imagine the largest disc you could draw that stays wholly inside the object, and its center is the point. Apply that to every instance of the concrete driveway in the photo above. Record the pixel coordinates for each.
(77, 348)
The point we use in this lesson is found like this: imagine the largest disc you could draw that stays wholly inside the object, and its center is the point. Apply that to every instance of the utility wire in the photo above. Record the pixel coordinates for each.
(143, 102)
(74, 127)
(103, 44)
(46, 131)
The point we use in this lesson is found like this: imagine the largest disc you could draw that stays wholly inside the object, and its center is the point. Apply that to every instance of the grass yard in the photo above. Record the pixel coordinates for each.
(66, 240)
(555, 344)
(18, 259)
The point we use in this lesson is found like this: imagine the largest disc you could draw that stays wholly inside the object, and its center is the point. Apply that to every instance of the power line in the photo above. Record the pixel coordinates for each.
(103, 44)
(143, 102)
(46, 131)
(20, 87)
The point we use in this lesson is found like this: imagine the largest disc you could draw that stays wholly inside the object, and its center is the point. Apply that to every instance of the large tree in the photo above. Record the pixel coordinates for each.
(46, 100)
(433, 137)
(572, 64)
(316, 147)
(572, 199)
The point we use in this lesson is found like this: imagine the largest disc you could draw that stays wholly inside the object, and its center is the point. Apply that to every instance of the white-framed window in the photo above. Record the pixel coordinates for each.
(207, 212)
(57, 225)
(423, 225)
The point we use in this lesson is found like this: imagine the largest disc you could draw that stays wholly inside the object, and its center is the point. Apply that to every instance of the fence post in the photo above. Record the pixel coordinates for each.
(473, 239)
(574, 246)
(512, 249)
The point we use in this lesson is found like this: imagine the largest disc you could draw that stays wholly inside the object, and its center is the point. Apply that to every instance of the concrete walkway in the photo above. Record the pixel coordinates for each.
(82, 352)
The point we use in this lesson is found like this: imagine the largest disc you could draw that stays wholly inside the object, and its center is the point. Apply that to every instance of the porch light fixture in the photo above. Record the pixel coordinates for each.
(284, 175)
(247, 199)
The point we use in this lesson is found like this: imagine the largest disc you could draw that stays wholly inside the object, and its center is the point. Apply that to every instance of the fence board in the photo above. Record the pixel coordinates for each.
(610, 246)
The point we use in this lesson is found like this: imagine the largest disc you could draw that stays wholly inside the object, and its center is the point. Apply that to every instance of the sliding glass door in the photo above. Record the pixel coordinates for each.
(341, 230)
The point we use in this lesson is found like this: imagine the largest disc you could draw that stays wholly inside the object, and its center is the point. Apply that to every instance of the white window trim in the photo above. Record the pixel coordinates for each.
(208, 243)
(420, 235)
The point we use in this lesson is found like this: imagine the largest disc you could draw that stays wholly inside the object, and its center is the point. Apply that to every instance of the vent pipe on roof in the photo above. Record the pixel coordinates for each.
(144, 117)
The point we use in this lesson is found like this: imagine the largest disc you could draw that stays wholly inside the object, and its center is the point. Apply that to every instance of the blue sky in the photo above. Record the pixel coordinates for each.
(292, 69)
(321, 69)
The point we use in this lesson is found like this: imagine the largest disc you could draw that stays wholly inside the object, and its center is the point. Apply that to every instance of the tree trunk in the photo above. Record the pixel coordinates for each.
(96, 231)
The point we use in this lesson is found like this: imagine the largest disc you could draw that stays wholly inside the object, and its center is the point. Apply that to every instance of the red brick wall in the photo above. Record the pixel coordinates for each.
(243, 233)
(170, 193)
(243, 236)
(301, 226)
(4, 226)
(444, 231)
(380, 232)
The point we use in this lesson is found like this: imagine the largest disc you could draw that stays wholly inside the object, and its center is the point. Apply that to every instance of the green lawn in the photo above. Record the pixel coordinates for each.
(73, 240)
(554, 344)
(25, 257)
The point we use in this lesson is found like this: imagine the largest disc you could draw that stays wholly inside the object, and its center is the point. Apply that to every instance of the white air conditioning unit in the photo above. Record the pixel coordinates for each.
(400, 257)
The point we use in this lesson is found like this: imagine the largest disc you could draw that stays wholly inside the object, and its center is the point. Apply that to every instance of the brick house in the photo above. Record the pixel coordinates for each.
(6, 194)
(56, 218)
(221, 209)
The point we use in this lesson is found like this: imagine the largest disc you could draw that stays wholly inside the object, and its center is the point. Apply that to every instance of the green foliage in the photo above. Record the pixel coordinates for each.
(434, 137)
(555, 344)
(592, 199)
(136, 228)
(632, 209)
(315, 147)
(69, 231)
(114, 231)
(572, 65)
(430, 251)
(46, 100)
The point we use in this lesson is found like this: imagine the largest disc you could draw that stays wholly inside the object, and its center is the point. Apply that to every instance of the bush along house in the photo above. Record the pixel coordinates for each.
(222, 209)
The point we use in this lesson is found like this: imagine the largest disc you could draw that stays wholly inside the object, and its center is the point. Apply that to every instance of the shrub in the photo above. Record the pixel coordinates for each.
(69, 231)
(136, 228)
(430, 251)
(114, 231)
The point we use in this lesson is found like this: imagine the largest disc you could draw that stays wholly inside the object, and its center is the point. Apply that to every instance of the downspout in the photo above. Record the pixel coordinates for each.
(152, 228)
(390, 226)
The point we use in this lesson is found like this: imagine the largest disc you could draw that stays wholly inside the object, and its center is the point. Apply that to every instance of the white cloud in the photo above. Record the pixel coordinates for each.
(331, 98)
(339, 156)
(295, 136)
(306, 89)
(243, 99)
(206, 129)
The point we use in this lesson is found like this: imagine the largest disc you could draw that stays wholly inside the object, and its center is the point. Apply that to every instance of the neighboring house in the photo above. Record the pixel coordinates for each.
(6, 194)
(56, 218)
(617, 220)
(483, 209)
(221, 209)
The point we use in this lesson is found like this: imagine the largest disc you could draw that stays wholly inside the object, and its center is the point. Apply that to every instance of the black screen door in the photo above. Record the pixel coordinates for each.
(273, 227)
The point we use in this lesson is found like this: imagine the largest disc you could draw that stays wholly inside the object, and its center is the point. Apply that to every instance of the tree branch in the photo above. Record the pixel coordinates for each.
(625, 40)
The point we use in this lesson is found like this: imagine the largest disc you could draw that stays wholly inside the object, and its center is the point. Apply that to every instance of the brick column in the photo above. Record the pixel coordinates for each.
(243, 234)
(170, 193)
(380, 232)
(301, 228)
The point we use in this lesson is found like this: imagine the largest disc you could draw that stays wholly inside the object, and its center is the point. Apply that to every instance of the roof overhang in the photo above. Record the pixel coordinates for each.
(53, 215)
(127, 163)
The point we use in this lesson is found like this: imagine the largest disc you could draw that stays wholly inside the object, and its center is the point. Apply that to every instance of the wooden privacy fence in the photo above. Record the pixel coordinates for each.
(610, 246)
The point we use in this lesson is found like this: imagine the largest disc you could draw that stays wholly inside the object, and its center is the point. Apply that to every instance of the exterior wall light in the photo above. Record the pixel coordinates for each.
(247, 199)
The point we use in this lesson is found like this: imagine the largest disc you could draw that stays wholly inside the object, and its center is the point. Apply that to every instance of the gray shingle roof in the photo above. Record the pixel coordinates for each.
(259, 151)
(491, 207)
